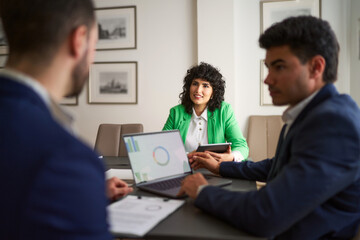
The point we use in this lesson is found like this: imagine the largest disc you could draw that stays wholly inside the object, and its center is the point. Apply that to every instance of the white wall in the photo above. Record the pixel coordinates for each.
(166, 47)
(248, 56)
(172, 35)
(337, 13)
(216, 42)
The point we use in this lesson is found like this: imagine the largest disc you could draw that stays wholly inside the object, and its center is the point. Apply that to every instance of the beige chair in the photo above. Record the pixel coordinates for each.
(263, 135)
(262, 138)
(109, 140)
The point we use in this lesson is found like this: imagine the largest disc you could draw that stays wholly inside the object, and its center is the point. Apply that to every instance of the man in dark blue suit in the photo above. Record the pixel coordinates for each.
(52, 185)
(313, 182)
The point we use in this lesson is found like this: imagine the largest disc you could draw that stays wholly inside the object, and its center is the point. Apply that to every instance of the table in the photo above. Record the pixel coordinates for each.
(189, 222)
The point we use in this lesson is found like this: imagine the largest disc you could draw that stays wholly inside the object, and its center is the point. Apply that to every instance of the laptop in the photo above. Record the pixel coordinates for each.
(159, 162)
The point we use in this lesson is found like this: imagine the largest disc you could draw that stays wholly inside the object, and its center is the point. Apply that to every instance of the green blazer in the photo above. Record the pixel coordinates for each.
(222, 126)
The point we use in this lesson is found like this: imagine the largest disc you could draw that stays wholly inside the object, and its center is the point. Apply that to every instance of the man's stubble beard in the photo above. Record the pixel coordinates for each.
(79, 76)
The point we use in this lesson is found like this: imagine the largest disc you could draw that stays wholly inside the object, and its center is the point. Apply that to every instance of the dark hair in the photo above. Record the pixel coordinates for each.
(208, 73)
(37, 28)
(306, 37)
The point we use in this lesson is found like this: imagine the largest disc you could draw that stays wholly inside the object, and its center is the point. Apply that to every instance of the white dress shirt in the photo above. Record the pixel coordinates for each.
(197, 132)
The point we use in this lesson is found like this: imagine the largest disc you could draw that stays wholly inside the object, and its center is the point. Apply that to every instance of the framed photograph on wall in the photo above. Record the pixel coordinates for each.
(113, 82)
(273, 11)
(265, 98)
(70, 101)
(117, 28)
(3, 43)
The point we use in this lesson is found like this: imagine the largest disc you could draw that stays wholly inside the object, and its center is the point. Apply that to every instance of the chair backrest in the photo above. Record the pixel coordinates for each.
(263, 135)
(109, 140)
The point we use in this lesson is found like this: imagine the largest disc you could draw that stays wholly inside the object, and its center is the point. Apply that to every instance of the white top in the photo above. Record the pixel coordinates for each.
(59, 113)
(197, 132)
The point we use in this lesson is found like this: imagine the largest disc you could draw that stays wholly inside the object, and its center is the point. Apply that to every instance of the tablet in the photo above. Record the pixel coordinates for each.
(215, 147)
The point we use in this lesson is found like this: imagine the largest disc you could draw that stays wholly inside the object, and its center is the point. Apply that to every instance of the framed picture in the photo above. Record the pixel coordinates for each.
(273, 11)
(113, 82)
(117, 28)
(71, 101)
(265, 98)
(3, 44)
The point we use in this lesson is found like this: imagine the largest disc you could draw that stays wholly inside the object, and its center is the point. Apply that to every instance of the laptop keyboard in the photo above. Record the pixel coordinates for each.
(167, 184)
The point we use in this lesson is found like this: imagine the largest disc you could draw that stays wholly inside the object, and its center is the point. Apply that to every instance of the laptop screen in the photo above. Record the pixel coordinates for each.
(156, 155)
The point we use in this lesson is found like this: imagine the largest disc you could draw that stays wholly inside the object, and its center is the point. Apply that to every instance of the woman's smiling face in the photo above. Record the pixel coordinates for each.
(200, 92)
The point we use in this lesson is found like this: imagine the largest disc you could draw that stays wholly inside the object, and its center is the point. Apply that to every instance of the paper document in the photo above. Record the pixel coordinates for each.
(135, 217)
(120, 173)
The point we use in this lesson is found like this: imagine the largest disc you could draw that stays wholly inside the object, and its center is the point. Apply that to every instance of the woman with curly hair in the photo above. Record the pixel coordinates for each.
(203, 117)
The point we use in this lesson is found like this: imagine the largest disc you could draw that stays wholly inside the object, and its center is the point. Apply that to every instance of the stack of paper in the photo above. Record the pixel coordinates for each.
(134, 216)
(119, 173)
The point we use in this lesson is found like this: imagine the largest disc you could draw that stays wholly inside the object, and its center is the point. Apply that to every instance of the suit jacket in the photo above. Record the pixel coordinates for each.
(222, 126)
(52, 185)
(313, 182)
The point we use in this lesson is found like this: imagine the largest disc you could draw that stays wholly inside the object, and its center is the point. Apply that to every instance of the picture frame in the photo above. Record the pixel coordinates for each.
(265, 98)
(113, 83)
(272, 11)
(70, 101)
(117, 28)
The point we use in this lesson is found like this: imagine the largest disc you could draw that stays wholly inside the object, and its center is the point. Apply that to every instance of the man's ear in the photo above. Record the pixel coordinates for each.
(317, 67)
(78, 41)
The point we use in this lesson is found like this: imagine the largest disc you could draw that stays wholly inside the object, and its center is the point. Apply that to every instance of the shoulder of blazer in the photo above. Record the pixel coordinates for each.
(13, 88)
(325, 93)
(179, 114)
(224, 109)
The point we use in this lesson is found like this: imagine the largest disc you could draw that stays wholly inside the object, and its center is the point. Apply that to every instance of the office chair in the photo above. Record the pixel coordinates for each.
(263, 135)
(262, 138)
(109, 140)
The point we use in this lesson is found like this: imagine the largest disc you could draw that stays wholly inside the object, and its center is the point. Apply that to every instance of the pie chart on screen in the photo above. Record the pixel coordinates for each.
(161, 156)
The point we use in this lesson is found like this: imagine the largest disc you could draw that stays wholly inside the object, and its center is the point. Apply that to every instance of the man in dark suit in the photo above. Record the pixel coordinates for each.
(313, 182)
(52, 185)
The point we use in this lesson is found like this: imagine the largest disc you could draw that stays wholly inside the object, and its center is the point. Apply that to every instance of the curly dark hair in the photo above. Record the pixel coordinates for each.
(208, 73)
(306, 37)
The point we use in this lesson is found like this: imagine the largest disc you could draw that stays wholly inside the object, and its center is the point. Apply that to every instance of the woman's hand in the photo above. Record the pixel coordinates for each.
(223, 157)
(204, 160)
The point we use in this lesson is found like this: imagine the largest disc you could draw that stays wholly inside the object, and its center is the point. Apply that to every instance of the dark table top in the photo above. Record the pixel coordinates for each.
(189, 222)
